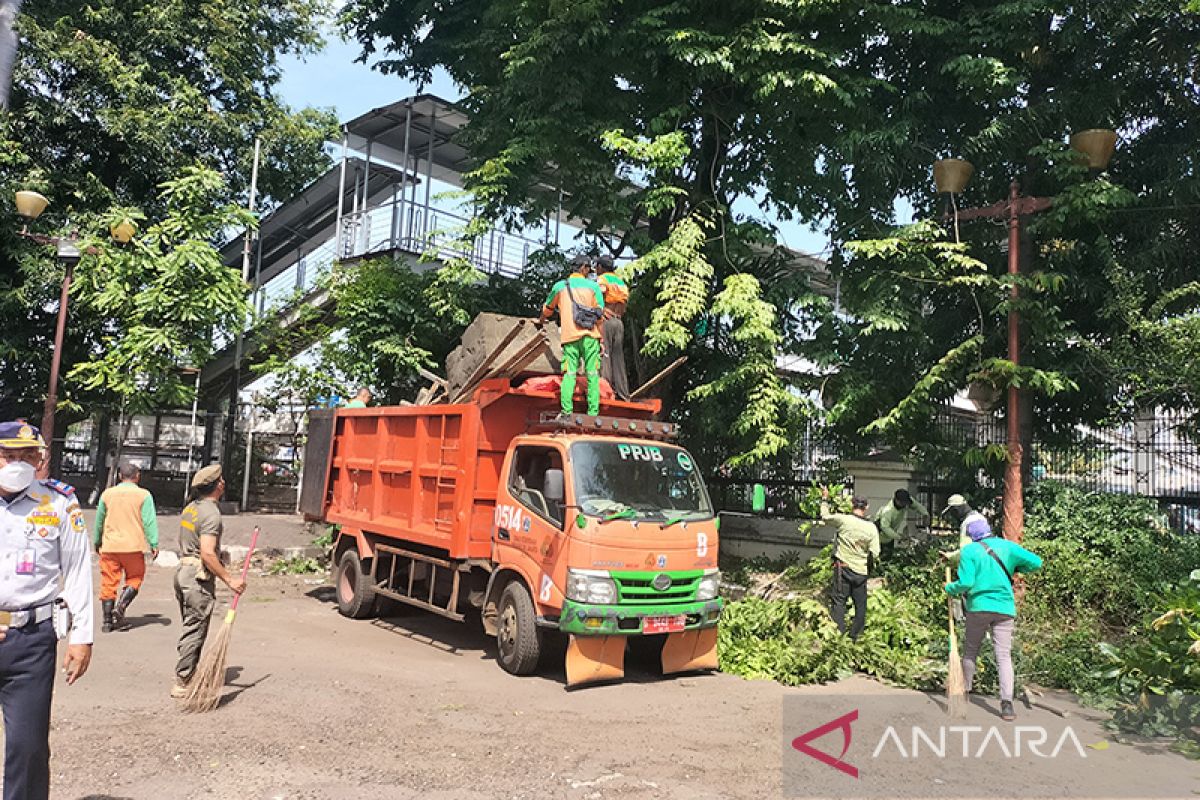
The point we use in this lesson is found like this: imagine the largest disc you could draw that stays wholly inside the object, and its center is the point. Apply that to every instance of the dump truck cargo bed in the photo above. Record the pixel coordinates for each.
(425, 474)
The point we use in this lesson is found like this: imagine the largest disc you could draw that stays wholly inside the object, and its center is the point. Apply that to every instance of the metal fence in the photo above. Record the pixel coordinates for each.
(786, 479)
(1155, 455)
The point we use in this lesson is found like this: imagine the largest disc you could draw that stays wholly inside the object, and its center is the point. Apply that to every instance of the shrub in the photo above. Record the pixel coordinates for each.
(1110, 554)
(1158, 673)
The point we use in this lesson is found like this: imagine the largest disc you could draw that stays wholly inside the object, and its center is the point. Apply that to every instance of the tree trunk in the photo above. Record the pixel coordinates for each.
(99, 471)
(9, 9)
(122, 434)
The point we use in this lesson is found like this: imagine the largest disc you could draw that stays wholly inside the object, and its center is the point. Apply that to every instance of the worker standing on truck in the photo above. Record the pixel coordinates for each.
(616, 295)
(580, 304)
(856, 542)
(200, 530)
(361, 400)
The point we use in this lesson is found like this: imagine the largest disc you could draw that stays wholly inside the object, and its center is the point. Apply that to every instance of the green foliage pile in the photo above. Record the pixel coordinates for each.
(296, 565)
(796, 641)
(1113, 616)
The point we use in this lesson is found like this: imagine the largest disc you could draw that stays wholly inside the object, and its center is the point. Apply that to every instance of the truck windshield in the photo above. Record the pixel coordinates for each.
(638, 481)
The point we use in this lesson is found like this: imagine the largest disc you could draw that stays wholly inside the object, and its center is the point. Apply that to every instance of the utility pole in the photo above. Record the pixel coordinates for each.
(230, 425)
(1012, 210)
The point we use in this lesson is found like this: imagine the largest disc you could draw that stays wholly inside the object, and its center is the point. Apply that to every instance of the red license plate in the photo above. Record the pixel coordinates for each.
(664, 624)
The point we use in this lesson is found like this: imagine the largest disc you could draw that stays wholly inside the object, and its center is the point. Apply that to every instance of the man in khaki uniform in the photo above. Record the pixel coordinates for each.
(200, 530)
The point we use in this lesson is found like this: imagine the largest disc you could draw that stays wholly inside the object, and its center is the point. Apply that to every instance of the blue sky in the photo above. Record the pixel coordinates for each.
(332, 79)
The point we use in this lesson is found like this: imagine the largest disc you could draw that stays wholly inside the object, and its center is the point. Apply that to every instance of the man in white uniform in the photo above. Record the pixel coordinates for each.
(43, 540)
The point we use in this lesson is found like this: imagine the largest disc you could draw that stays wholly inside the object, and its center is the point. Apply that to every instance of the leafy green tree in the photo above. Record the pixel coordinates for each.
(390, 319)
(167, 296)
(109, 101)
(652, 118)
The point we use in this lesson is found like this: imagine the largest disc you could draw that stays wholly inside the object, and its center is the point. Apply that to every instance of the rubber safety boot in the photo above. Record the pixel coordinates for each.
(127, 595)
(107, 606)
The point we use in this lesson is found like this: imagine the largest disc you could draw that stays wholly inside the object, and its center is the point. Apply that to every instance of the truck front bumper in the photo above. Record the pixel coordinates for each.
(583, 619)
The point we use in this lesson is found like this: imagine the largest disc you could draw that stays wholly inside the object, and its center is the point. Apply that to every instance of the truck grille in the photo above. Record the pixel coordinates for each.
(639, 588)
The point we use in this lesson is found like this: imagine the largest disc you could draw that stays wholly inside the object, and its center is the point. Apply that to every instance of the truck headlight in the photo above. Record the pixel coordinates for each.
(591, 586)
(709, 585)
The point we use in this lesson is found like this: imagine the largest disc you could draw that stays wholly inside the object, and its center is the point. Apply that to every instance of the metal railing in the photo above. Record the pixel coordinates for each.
(423, 230)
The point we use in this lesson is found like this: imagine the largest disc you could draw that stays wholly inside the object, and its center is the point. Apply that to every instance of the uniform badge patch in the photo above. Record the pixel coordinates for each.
(77, 523)
(65, 489)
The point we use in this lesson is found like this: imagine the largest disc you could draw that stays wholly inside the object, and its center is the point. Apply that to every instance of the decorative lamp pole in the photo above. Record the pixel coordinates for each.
(30, 206)
(950, 175)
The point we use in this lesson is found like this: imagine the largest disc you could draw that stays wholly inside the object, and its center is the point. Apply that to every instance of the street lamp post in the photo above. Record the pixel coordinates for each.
(30, 206)
(951, 176)
(68, 254)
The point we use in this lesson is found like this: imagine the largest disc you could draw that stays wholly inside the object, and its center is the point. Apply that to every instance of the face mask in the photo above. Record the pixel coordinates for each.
(15, 476)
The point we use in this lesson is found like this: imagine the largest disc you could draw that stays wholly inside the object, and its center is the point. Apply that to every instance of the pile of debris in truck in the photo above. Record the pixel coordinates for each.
(482, 497)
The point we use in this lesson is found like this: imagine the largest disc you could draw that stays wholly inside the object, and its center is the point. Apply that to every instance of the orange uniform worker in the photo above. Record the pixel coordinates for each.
(616, 295)
(580, 304)
(126, 522)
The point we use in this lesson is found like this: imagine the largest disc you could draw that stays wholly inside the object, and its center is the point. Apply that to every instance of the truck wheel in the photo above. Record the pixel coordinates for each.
(355, 596)
(517, 637)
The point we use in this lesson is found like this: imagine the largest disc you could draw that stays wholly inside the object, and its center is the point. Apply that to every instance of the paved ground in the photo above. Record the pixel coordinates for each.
(415, 707)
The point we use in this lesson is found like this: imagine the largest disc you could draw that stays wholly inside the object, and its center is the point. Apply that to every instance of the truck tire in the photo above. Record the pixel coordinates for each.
(518, 640)
(355, 595)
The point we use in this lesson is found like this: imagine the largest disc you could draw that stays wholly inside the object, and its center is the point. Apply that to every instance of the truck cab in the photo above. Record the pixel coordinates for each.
(616, 535)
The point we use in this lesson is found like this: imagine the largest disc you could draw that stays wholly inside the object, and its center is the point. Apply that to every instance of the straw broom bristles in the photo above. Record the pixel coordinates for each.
(956, 684)
(204, 690)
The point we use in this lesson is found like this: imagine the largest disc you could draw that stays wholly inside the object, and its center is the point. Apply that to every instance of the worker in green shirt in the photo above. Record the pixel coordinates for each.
(855, 542)
(892, 519)
(579, 301)
(361, 400)
(985, 571)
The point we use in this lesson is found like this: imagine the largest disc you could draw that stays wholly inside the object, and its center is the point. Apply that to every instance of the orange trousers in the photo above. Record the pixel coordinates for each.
(112, 565)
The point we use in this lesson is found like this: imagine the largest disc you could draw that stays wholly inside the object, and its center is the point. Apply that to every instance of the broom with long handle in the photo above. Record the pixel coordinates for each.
(204, 692)
(956, 684)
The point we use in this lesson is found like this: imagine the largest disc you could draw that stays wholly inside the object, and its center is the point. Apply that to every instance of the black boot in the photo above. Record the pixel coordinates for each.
(127, 595)
(107, 606)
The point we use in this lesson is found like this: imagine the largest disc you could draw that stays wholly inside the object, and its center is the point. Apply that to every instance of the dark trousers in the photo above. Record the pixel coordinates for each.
(612, 363)
(849, 585)
(26, 686)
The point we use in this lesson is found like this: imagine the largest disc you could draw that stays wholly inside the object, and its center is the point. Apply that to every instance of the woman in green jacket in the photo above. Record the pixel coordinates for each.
(985, 572)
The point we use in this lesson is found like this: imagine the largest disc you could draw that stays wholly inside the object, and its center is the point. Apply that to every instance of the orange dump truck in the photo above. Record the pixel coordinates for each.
(596, 528)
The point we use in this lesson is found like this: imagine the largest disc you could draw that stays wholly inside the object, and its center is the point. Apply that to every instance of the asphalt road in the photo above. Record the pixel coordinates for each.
(319, 707)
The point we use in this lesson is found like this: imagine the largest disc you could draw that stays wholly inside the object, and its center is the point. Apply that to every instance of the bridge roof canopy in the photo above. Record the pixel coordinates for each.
(422, 121)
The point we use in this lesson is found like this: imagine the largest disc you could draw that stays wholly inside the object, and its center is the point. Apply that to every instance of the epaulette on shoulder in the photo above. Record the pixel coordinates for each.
(65, 489)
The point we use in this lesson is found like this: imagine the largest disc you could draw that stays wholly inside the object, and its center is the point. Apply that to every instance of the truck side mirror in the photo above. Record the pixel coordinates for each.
(553, 485)
(758, 500)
